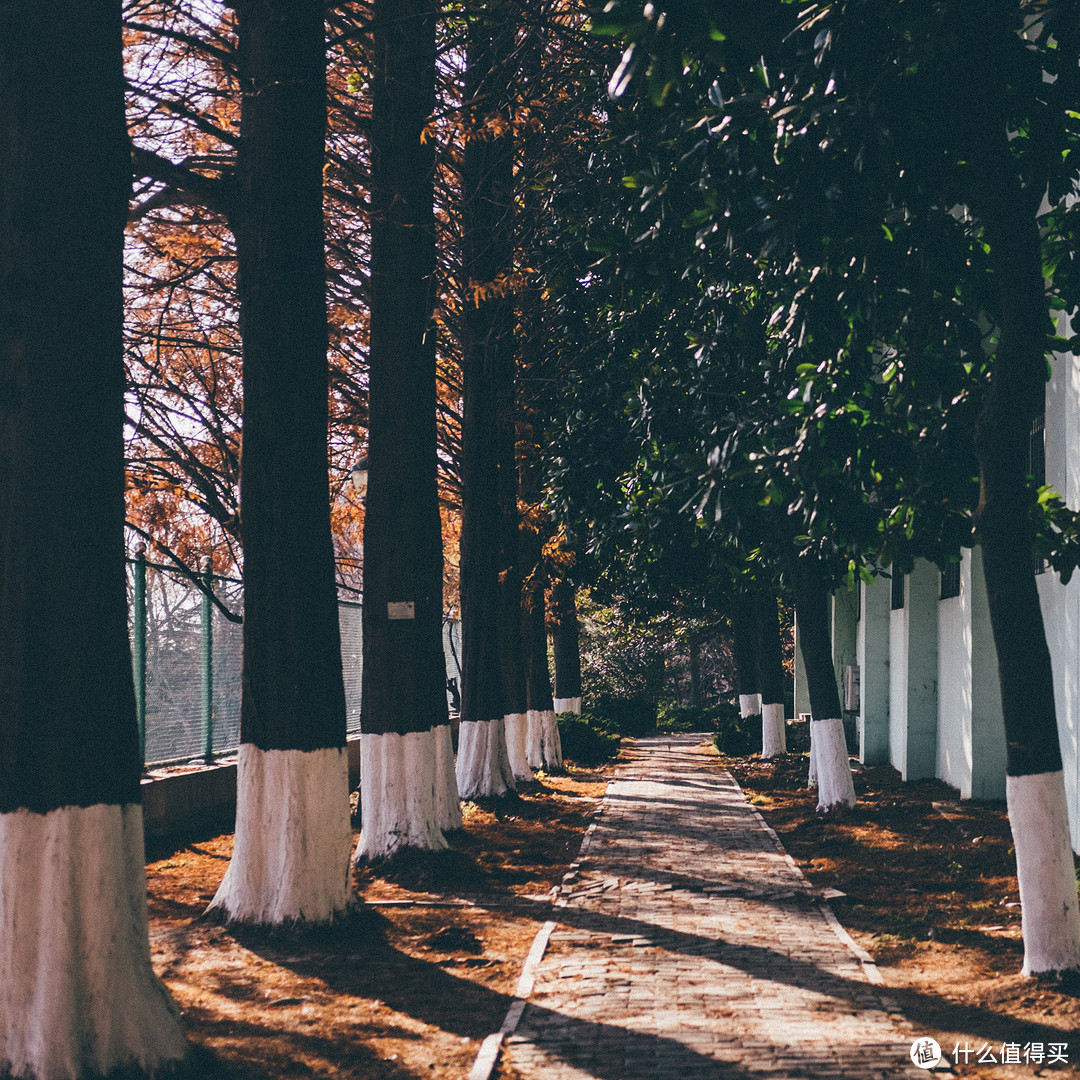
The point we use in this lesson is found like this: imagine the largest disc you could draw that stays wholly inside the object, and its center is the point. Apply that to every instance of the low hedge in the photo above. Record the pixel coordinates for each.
(585, 741)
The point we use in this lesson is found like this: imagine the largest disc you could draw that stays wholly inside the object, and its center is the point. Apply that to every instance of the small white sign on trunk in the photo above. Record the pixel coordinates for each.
(401, 609)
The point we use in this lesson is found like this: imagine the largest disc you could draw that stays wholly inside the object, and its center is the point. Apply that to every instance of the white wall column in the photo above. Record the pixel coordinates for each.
(913, 675)
(802, 691)
(844, 651)
(987, 718)
(872, 652)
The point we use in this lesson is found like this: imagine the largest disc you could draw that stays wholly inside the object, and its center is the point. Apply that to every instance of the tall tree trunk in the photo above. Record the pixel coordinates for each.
(407, 790)
(513, 645)
(291, 854)
(1035, 787)
(544, 743)
(566, 647)
(770, 660)
(489, 478)
(78, 995)
(744, 649)
(829, 762)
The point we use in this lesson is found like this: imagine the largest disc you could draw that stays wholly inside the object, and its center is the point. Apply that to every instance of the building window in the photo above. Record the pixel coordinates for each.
(897, 595)
(950, 581)
(1037, 465)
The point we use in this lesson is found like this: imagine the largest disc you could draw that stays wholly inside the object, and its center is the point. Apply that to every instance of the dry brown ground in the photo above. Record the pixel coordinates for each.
(930, 891)
(410, 985)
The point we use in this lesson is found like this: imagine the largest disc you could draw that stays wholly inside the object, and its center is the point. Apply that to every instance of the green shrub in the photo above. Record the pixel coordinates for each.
(631, 716)
(738, 735)
(681, 718)
(798, 737)
(584, 739)
(672, 718)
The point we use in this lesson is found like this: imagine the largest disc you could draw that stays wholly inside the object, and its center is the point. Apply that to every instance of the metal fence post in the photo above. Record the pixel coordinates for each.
(208, 664)
(138, 649)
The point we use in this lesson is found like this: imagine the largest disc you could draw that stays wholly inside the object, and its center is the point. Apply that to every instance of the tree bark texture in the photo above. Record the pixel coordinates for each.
(493, 682)
(1005, 500)
(1007, 203)
(534, 633)
(744, 643)
(770, 655)
(830, 766)
(293, 694)
(78, 994)
(65, 662)
(565, 640)
(404, 669)
(815, 640)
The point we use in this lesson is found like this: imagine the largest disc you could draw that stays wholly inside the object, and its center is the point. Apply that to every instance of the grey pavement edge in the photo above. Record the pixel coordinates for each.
(688, 944)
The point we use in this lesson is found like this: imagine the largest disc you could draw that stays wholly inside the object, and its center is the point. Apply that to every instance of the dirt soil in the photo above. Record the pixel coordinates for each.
(929, 886)
(408, 986)
(411, 983)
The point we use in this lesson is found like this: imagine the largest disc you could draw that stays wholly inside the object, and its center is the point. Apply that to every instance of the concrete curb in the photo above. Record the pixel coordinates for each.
(488, 1056)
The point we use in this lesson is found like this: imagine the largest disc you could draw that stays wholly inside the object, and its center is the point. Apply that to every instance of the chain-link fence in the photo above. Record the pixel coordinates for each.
(186, 645)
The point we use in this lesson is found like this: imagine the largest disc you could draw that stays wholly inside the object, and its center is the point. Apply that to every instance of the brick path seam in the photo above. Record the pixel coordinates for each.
(690, 945)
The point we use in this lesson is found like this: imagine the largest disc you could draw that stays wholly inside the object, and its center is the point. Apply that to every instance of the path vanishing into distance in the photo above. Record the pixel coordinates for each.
(687, 944)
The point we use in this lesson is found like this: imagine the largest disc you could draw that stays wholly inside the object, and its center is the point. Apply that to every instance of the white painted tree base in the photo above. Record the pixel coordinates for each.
(773, 731)
(290, 859)
(77, 993)
(829, 756)
(1050, 918)
(447, 803)
(483, 765)
(545, 746)
(568, 704)
(749, 704)
(407, 795)
(516, 727)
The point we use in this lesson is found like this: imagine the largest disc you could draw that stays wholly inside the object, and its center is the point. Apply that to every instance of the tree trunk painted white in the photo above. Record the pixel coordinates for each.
(811, 777)
(78, 996)
(290, 859)
(749, 704)
(534, 742)
(545, 746)
(483, 765)
(828, 752)
(1038, 816)
(773, 731)
(447, 803)
(404, 793)
(516, 727)
(568, 704)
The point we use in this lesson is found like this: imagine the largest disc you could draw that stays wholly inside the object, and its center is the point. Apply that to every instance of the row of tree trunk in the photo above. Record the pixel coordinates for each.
(74, 835)
(759, 667)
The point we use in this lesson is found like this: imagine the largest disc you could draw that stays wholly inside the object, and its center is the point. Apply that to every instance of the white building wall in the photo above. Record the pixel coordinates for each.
(898, 677)
(913, 676)
(987, 718)
(959, 691)
(872, 652)
(971, 729)
(1061, 603)
(844, 634)
(802, 691)
(954, 750)
(1061, 616)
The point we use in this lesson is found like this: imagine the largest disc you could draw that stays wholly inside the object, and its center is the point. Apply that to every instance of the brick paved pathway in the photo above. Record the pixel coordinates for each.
(688, 945)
